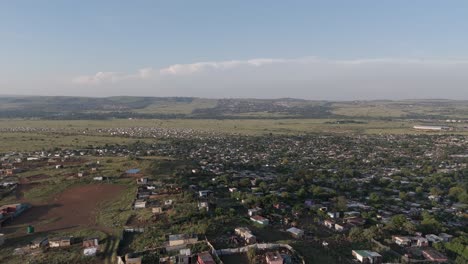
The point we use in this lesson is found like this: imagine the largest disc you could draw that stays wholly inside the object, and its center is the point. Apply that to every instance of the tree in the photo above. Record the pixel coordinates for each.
(341, 203)
(251, 254)
(430, 224)
(356, 234)
(374, 198)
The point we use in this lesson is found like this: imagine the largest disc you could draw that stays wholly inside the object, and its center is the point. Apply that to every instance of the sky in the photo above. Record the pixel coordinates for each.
(322, 50)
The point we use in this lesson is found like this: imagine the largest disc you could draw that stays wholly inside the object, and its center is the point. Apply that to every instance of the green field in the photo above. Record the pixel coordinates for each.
(82, 133)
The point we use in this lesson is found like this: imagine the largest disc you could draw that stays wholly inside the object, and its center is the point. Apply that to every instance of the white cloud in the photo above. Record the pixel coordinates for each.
(185, 69)
(307, 77)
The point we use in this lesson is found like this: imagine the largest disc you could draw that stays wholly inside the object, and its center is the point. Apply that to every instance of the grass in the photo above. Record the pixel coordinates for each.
(74, 137)
(114, 214)
(29, 141)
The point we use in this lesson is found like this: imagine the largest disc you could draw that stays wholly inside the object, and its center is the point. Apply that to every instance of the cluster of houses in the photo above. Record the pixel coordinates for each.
(90, 246)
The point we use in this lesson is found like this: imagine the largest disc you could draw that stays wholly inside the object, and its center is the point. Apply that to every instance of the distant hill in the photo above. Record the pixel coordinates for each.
(62, 107)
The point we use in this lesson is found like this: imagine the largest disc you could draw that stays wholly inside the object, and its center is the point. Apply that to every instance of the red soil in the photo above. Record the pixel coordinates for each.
(74, 207)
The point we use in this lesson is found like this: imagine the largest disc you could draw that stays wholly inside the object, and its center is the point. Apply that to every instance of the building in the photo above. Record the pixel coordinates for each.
(90, 242)
(60, 242)
(274, 258)
(340, 227)
(205, 258)
(446, 237)
(433, 239)
(431, 128)
(157, 210)
(296, 232)
(260, 220)
(182, 239)
(133, 172)
(329, 223)
(90, 251)
(246, 234)
(434, 255)
(139, 204)
(254, 211)
(402, 241)
(39, 242)
(367, 256)
(204, 193)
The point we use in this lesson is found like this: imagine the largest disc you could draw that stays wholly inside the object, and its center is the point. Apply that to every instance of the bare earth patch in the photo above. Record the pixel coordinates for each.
(76, 206)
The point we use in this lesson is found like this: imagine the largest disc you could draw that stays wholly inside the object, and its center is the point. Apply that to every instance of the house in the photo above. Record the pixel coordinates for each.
(420, 241)
(401, 241)
(205, 258)
(334, 215)
(90, 251)
(133, 172)
(273, 258)
(434, 255)
(246, 234)
(296, 232)
(157, 210)
(60, 242)
(90, 242)
(82, 174)
(433, 239)
(340, 227)
(356, 221)
(204, 193)
(367, 256)
(182, 239)
(203, 205)
(139, 204)
(446, 237)
(39, 242)
(329, 223)
(254, 211)
(142, 181)
(260, 220)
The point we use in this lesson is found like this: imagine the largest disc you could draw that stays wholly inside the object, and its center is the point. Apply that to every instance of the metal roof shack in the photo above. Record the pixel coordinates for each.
(205, 258)
(133, 171)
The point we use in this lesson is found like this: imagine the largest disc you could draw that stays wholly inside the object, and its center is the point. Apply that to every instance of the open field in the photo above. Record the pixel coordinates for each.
(82, 133)
(74, 207)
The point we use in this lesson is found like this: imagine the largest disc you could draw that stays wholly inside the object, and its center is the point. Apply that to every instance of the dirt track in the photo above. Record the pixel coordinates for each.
(74, 207)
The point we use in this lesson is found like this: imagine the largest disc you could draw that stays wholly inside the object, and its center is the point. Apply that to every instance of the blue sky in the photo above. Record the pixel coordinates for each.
(45, 46)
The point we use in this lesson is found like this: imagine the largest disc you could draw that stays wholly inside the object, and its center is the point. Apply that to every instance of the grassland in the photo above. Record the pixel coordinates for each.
(82, 133)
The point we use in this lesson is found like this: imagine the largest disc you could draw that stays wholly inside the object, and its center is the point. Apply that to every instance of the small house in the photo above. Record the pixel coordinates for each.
(260, 220)
(296, 232)
(246, 234)
(157, 210)
(204, 193)
(60, 242)
(39, 242)
(434, 255)
(139, 204)
(205, 258)
(254, 211)
(90, 242)
(329, 223)
(367, 256)
(402, 241)
(182, 239)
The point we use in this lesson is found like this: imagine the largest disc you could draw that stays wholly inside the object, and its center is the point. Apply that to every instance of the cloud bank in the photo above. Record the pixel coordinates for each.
(307, 77)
